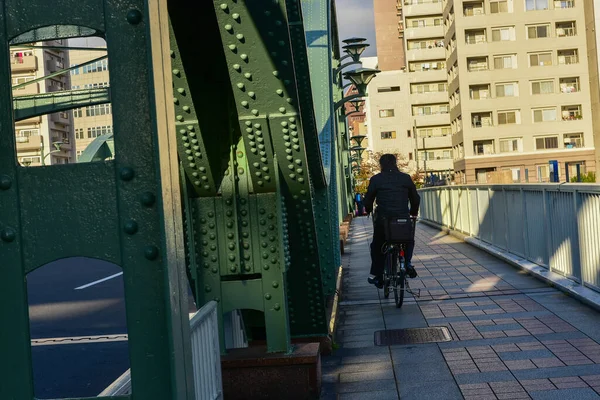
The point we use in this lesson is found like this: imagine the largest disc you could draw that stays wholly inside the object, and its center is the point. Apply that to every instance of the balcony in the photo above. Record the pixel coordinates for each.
(473, 8)
(424, 32)
(23, 64)
(565, 29)
(31, 89)
(30, 121)
(29, 143)
(434, 142)
(559, 4)
(434, 119)
(424, 8)
(432, 53)
(60, 117)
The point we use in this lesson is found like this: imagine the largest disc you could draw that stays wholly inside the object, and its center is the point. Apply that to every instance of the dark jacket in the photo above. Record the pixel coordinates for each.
(393, 190)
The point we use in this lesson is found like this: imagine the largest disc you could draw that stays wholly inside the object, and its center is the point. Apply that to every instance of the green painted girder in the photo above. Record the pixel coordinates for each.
(205, 117)
(47, 103)
(126, 209)
(256, 41)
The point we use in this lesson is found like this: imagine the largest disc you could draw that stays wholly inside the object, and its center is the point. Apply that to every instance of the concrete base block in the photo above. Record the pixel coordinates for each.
(252, 373)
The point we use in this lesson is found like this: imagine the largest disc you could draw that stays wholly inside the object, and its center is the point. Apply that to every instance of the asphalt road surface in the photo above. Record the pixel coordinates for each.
(74, 298)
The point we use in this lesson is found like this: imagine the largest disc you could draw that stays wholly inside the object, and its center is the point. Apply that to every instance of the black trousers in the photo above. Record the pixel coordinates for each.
(377, 257)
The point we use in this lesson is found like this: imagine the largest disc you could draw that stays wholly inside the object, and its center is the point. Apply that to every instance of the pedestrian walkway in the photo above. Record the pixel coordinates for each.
(514, 337)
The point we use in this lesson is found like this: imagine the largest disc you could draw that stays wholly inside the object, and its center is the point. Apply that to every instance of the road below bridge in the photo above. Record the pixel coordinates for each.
(78, 327)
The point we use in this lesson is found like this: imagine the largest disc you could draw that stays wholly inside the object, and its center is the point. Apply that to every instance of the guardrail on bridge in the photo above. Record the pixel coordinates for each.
(206, 358)
(555, 226)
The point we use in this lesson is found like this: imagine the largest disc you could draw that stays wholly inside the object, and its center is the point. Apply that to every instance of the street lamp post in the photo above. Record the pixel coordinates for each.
(361, 78)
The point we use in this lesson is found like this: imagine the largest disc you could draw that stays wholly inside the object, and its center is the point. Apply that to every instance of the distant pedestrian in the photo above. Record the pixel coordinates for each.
(358, 200)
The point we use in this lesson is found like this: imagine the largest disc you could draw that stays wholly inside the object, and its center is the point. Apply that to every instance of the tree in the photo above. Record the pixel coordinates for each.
(370, 167)
(590, 177)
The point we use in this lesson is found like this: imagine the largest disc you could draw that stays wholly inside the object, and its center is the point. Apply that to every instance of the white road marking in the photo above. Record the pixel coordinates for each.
(99, 281)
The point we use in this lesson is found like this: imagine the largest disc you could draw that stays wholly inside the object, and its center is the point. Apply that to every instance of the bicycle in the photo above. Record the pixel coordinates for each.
(394, 273)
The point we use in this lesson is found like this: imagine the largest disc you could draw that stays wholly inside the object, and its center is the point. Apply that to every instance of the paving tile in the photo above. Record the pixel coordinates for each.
(382, 374)
(519, 364)
(563, 394)
(372, 395)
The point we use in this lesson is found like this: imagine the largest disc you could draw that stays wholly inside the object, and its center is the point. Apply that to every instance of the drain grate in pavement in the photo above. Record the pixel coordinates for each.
(412, 336)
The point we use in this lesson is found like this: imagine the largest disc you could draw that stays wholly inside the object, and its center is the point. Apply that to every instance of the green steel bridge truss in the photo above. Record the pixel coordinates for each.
(231, 173)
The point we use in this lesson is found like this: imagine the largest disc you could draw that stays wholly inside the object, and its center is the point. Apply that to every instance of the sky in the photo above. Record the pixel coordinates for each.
(355, 19)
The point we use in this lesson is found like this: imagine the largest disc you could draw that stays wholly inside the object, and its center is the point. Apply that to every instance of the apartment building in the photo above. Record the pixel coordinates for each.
(389, 33)
(592, 29)
(46, 139)
(90, 122)
(519, 85)
(408, 108)
(389, 117)
(429, 100)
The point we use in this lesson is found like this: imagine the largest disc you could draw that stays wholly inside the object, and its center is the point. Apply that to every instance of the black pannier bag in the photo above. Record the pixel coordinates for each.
(399, 230)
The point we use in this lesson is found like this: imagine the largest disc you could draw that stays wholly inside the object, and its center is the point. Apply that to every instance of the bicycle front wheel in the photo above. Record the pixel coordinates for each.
(400, 283)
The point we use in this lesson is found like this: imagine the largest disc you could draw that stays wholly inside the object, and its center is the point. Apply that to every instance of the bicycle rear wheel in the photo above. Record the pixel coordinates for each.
(386, 275)
(400, 272)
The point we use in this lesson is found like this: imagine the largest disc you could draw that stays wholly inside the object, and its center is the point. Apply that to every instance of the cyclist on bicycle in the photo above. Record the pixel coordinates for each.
(393, 191)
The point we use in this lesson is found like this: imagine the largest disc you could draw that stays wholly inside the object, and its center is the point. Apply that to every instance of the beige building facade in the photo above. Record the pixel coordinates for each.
(519, 85)
(46, 139)
(90, 122)
(414, 97)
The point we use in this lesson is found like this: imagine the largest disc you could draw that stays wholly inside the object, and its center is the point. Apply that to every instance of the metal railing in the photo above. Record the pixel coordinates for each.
(553, 225)
(206, 358)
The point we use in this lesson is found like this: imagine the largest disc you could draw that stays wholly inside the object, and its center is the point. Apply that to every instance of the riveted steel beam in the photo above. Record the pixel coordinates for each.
(129, 203)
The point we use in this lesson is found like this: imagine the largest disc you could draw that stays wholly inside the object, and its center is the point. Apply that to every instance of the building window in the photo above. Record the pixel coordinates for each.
(439, 131)
(96, 131)
(543, 173)
(569, 85)
(564, 3)
(425, 44)
(478, 92)
(512, 145)
(546, 143)
(573, 140)
(503, 34)
(78, 113)
(538, 31)
(426, 66)
(79, 153)
(483, 119)
(566, 29)
(540, 59)
(99, 109)
(431, 109)
(26, 133)
(98, 66)
(434, 87)
(567, 57)
(408, 133)
(386, 89)
(542, 87)
(544, 114)
(508, 117)
(410, 156)
(474, 36)
(477, 64)
(532, 5)
(471, 9)
(79, 133)
(498, 6)
(483, 147)
(388, 135)
(508, 61)
(510, 89)
(571, 113)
